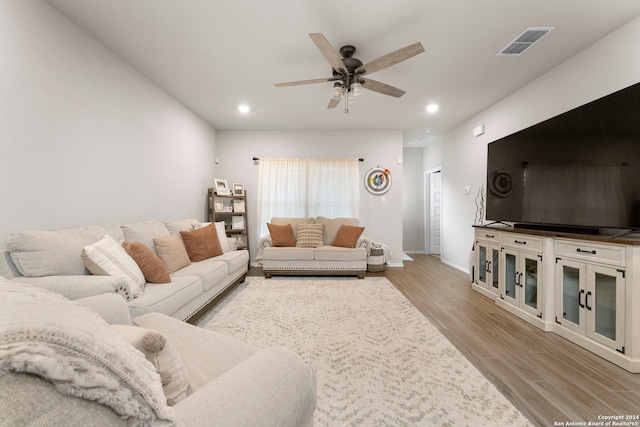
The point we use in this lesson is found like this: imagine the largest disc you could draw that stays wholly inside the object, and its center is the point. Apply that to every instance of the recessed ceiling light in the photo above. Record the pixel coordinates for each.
(244, 109)
(432, 108)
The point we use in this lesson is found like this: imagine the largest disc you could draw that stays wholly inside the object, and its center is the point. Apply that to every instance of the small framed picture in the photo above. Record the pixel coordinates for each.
(219, 206)
(238, 189)
(221, 187)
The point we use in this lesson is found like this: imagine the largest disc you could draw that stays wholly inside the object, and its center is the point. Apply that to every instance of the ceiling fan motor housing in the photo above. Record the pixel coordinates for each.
(350, 64)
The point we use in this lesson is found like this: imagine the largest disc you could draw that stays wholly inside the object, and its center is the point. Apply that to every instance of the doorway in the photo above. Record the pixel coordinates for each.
(433, 211)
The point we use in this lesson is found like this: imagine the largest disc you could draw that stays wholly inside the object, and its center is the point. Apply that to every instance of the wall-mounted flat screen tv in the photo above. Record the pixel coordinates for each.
(579, 169)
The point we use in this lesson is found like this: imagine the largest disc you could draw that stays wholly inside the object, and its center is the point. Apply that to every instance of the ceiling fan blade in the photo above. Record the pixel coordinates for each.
(382, 88)
(333, 103)
(328, 51)
(390, 59)
(305, 82)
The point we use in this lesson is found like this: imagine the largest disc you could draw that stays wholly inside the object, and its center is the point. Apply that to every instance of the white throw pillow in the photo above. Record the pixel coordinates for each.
(222, 234)
(107, 258)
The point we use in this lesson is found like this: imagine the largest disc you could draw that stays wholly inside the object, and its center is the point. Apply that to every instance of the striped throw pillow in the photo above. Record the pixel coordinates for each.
(107, 258)
(309, 235)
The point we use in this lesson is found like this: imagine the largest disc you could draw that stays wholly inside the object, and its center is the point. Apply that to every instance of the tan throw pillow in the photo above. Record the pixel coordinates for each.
(281, 235)
(164, 357)
(107, 258)
(347, 236)
(172, 252)
(152, 268)
(202, 243)
(310, 235)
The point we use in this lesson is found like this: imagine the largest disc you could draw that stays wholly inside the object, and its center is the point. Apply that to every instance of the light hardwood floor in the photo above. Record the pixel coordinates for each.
(549, 379)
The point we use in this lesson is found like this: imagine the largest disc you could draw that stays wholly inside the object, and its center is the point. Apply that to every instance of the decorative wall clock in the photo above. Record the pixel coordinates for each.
(377, 180)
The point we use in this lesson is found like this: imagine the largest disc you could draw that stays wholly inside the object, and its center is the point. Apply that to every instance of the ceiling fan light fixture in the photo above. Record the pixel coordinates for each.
(356, 89)
(337, 91)
(351, 97)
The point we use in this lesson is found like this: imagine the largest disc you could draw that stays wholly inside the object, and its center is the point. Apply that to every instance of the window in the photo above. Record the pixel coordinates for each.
(307, 188)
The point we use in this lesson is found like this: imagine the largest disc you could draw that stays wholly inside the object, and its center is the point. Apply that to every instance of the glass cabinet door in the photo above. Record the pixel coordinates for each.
(482, 264)
(571, 294)
(530, 284)
(604, 302)
(495, 264)
(510, 277)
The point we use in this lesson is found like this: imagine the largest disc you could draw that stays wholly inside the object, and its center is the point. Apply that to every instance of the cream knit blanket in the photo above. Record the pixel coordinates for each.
(67, 344)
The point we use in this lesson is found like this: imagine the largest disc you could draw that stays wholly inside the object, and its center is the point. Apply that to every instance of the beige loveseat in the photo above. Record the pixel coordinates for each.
(52, 259)
(320, 259)
(63, 365)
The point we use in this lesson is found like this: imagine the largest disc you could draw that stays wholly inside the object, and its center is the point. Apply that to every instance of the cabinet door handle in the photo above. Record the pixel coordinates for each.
(520, 280)
(586, 301)
(489, 236)
(582, 251)
(522, 242)
(580, 298)
(488, 266)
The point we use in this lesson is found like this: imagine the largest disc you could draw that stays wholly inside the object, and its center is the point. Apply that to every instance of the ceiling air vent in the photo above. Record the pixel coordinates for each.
(524, 41)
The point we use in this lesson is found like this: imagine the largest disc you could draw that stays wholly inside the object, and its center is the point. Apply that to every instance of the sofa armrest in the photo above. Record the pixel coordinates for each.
(80, 286)
(264, 242)
(271, 388)
(364, 242)
(111, 307)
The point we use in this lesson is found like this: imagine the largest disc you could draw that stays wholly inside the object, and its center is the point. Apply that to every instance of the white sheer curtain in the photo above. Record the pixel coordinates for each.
(307, 188)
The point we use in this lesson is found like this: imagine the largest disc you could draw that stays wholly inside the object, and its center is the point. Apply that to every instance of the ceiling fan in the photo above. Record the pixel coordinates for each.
(348, 71)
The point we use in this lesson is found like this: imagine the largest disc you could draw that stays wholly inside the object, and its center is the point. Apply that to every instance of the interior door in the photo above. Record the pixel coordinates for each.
(435, 212)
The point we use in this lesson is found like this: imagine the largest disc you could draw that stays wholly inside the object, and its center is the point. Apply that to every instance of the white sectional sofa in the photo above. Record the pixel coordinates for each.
(321, 259)
(52, 260)
(213, 380)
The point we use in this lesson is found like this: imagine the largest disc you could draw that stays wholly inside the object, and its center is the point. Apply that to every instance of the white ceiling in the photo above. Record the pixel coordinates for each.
(213, 55)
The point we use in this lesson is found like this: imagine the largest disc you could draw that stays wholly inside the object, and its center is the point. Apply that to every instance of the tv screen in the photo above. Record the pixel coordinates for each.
(579, 169)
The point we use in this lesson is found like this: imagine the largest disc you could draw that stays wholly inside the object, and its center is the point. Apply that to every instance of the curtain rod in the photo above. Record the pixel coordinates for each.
(255, 159)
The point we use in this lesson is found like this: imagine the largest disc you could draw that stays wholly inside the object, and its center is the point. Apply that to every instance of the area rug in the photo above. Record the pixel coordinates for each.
(379, 361)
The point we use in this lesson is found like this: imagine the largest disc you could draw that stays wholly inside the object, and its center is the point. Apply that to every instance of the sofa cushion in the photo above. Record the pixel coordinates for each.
(167, 298)
(56, 252)
(197, 343)
(144, 232)
(332, 225)
(202, 243)
(171, 251)
(310, 235)
(293, 221)
(211, 272)
(293, 254)
(235, 259)
(281, 235)
(335, 253)
(152, 268)
(163, 356)
(175, 227)
(107, 258)
(347, 236)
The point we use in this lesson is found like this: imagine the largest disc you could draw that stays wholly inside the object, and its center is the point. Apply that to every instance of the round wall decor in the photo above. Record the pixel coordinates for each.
(377, 180)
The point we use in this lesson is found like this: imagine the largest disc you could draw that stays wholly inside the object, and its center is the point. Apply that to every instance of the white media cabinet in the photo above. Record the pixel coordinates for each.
(584, 288)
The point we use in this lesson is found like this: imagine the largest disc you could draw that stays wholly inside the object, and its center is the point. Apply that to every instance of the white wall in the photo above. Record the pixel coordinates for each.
(84, 138)
(383, 222)
(605, 67)
(413, 201)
